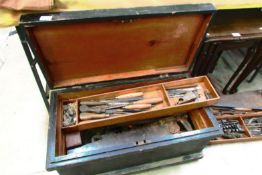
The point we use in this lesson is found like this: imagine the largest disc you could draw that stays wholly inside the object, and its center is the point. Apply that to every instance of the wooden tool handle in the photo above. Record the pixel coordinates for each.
(182, 87)
(150, 101)
(242, 109)
(92, 116)
(138, 106)
(131, 95)
(92, 103)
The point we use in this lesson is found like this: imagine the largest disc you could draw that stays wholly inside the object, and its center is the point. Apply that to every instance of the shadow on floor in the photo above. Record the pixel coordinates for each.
(227, 64)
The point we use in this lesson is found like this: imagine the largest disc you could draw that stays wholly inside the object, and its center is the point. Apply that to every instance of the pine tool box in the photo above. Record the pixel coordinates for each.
(120, 91)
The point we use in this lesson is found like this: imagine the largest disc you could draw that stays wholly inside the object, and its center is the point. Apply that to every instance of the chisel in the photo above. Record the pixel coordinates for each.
(150, 101)
(92, 103)
(130, 95)
(92, 116)
(138, 106)
(237, 108)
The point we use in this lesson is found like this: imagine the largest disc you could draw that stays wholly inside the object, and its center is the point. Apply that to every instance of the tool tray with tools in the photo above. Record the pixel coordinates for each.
(120, 95)
(238, 124)
(138, 103)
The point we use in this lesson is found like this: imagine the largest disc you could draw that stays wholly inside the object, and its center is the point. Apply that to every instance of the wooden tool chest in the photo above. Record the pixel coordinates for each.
(93, 59)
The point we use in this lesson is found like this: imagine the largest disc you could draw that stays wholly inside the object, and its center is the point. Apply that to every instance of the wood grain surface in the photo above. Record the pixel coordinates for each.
(87, 52)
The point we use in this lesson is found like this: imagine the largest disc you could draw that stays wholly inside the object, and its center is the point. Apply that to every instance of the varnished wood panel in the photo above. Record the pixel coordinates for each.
(96, 51)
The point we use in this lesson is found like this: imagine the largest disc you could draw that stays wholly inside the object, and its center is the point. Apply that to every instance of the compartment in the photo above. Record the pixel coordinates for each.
(233, 129)
(144, 102)
(69, 113)
(254, 125)
(131, 134)
(198, 89)
(243, 118)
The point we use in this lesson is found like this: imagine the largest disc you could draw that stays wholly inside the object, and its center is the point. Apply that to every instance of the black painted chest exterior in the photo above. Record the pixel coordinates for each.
(94, 52)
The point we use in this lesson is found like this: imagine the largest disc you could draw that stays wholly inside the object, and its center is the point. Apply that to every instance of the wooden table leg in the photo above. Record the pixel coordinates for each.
(256, 60)
(216, 57)
(200, 60)
(248, 57)
(226, 45)
(208, 59)
(255, 73)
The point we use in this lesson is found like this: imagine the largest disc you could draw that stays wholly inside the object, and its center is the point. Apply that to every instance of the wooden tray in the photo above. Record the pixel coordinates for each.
(199, 118)
(247, 134)
(167, 107)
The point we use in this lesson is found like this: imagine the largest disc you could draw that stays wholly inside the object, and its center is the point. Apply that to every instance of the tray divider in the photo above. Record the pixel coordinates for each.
(247, 132)
(77, 111)
(166, 95)
(60, 136)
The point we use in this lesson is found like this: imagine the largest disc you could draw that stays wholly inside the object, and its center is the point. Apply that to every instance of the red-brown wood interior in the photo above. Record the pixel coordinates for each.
(156, 90)
(85, 93)
(199, 118)
(85, 52)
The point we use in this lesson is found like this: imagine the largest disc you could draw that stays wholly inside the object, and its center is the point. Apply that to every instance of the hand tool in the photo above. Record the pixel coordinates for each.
(131, 134)
(122, 100)
(183, 90)
(122, 104)
(231, 129)
(232, 135)
(83, 108)
(98, 110)
(183, 87)
(92, 116)
(254, 125)
(138, 106)
(130, 95)
(109, 111)
(207, 95)
(111, 102)
(69, 114)
(225, 110)
(174, 128)
(183, 120)
(117, 106)
(92, 103)
(188, 97)
(219, 113)
(236, 108)
(254, 120)
(150, 101)
(184, 95)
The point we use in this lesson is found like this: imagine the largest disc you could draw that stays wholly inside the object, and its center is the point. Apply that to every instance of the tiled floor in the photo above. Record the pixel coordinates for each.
(24, 124)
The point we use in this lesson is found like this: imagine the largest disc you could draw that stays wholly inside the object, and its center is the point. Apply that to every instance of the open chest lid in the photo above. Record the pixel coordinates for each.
(82, 47)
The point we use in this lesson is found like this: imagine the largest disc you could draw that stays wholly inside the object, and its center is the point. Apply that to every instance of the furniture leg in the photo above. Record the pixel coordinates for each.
(255, 73)
(201, 59)
(205, 66)
(214, 63)
(249, 68)
(248, 57)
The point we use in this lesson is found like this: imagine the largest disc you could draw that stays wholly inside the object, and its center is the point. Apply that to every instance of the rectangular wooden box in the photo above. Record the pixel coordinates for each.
(247, 135)
(90, 55)
(125, 153)
(167, 107)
